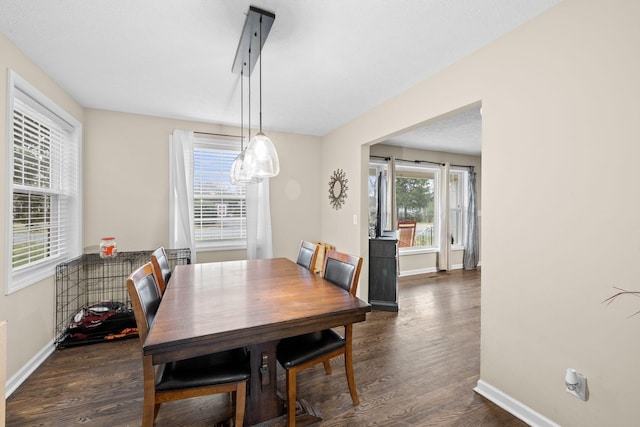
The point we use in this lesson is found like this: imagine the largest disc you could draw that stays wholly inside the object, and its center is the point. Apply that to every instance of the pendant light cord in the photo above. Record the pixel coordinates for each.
(242, 109)
(249, 124)
(260, 57)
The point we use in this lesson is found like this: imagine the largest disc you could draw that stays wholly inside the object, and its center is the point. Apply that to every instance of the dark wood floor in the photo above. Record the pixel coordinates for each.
(417, 367)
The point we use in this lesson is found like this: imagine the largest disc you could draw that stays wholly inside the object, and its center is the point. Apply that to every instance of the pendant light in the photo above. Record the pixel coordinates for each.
(261, 157)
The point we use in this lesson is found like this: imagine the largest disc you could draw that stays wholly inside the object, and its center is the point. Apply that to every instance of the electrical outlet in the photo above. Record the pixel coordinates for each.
(576, 384)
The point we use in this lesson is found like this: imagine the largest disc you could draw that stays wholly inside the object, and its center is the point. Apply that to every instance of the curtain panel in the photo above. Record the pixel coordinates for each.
(472, 245)
(181, 222)
(259, 238)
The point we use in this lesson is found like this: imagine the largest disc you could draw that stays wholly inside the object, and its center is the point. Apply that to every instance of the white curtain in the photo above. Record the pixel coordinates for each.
(259, 242)
(181, 226)
(472, 245)
(444, 256)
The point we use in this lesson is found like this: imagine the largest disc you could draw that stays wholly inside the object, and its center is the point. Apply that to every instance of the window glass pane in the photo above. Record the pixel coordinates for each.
(31, 222)
(31, 152)
(457, 200)
(455, 203)
(219, 207)
(373, 197)
(415, 201)
(379, 196)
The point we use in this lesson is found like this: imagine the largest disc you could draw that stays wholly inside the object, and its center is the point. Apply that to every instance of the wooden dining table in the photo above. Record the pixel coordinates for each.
(219, 306)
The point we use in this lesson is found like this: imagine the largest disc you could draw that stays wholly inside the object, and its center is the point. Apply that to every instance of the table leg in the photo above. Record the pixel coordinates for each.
(263, 402)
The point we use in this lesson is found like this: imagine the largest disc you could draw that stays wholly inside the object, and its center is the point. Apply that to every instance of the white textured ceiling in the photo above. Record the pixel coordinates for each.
(324, 62)
(457, 133)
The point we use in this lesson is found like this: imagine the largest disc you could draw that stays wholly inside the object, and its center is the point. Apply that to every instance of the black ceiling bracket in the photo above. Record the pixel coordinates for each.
(250, 44)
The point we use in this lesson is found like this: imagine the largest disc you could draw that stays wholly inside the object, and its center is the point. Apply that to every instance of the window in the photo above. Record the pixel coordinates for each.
(457, 203)
(416, 189)
(220, 212)
(416, 200)
(44, 225)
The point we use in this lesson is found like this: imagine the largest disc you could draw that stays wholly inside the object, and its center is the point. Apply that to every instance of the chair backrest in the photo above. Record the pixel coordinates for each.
(343, 270)
(145, 299)
(322, 250)
(161, 268)
(406, 233)
(307, 255)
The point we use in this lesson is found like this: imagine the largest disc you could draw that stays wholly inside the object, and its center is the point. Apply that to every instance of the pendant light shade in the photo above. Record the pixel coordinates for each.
(236, 167)
(261, 158)
(238, 172)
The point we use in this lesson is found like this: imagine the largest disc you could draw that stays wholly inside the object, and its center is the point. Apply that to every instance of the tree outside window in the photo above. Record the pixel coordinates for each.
(415, 200)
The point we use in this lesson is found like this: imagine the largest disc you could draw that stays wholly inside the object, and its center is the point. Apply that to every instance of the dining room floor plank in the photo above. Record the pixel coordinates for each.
(416, 367)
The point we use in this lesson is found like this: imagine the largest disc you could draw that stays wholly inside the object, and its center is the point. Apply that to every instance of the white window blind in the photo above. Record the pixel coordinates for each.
(220, 213)
(44, 184)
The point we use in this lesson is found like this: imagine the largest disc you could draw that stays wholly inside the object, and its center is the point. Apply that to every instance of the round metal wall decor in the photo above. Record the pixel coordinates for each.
(338, 188)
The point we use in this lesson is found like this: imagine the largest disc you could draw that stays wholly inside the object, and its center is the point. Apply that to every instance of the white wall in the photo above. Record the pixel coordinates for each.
(559, 202)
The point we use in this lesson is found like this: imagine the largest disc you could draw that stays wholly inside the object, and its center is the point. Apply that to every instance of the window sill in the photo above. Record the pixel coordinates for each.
(420, 250)
(417, 250)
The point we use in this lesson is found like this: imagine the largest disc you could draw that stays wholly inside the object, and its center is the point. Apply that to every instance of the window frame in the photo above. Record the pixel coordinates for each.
(204, 143)
(71, 193)
(435, 246)
(464, 201)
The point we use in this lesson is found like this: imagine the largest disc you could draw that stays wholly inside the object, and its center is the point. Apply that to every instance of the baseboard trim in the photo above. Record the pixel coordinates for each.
(418, 271)
(427, 270)
(19, 377)
(514, 407)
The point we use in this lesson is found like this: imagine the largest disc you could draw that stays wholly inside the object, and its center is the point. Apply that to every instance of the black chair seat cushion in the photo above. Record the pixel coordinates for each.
(211, 369)
(302, 348)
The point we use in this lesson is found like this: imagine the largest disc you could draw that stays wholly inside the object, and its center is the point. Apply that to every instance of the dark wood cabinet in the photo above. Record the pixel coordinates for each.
(383, 274)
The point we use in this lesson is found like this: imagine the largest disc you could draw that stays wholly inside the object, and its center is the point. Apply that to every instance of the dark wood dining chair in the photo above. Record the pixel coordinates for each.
(307, 255)
(161, 268)
(224, 372)
(303, 351)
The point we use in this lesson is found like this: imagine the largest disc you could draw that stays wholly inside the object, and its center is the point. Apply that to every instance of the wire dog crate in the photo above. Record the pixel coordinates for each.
(92, 301)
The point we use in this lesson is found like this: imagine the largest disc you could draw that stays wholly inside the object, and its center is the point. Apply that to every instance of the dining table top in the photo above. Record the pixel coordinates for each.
(223, 305)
